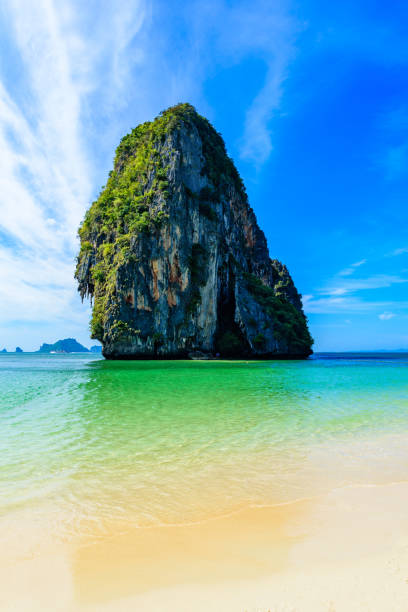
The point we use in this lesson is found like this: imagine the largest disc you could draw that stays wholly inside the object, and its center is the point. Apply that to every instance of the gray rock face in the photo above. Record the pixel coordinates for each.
(200, 283)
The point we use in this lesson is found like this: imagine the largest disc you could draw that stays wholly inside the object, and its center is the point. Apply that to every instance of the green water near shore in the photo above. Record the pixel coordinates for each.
(87, 442)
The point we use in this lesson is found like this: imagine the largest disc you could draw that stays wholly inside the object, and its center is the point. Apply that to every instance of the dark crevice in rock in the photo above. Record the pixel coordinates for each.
(229, 340)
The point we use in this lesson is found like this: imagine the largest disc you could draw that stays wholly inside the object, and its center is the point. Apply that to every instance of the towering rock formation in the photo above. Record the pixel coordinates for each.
(173, 258)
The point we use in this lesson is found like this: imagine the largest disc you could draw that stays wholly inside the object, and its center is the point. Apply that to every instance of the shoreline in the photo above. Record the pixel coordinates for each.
(344, 551)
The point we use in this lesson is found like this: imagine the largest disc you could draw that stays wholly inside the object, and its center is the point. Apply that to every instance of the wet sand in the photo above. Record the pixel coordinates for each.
(343, 552)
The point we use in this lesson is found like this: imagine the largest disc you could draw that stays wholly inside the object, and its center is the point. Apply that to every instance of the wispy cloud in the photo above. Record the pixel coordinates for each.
(342, 295)
(221, 33)
(352, 268)
(45, 167)
(271, 31)
(87, 73)
(386, 316)
(317, 304)
(350, 304)
(351, 285)
(400, 251)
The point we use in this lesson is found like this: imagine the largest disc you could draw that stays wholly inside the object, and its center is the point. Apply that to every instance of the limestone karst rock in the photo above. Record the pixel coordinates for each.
(173, 258)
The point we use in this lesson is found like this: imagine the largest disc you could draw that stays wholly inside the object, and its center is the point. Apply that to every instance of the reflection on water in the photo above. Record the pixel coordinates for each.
(89, 441)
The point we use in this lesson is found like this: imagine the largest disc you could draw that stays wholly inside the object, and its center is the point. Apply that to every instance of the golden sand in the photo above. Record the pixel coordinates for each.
(344, 552)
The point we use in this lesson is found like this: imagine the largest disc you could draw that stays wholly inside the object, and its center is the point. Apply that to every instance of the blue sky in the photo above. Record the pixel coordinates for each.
(311, 98)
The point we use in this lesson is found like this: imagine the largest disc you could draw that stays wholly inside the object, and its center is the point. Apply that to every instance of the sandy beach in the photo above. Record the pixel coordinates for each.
(343, 552)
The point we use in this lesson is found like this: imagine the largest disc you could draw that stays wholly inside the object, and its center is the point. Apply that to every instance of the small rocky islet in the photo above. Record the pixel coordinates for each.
(173, 259)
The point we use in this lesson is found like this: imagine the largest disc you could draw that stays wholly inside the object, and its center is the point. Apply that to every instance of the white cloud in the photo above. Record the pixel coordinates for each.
(351, 269)
(348, 304)
(339, 305)
(357, 264)
(351, 285)
(84, 74)
(342, 296)
(220, 33)
(271, 31)
(46, 168)
(386, 316)
(400, 251)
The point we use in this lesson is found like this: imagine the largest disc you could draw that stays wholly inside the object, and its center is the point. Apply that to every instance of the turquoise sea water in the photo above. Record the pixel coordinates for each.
(88, 442)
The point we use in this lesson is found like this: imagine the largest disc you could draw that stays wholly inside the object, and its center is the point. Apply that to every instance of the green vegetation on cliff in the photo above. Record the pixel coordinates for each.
(289, 324)
(165, 243)
(134, 202)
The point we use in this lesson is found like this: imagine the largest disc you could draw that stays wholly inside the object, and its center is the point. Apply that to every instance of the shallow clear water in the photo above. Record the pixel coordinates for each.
(87, 442)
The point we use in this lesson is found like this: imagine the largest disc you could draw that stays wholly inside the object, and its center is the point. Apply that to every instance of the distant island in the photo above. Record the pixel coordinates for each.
(68, 345)
(96, 348)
